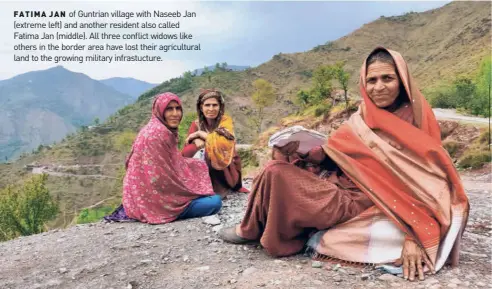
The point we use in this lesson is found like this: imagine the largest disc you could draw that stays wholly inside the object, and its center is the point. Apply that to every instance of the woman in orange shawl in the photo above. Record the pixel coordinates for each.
(391, 195)
(214, 132)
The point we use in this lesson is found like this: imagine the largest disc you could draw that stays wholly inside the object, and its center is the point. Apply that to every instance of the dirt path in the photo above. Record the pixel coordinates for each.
(450, 114)
(188, 254)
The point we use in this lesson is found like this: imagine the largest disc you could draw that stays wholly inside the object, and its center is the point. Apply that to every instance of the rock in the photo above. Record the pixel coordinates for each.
(298, 267)
(471, 276)
(431, 281)
(420, 286)
(365, 276)
(211, 220)
(318, 282)
(455, 281)
(395, 284)
(435, 286)
(249, 271)
(203, 268)
(233, 281)
(480, 284)
(63, 270)
(388, 278)
(217, 228)
(452, 285)
(277, 282)
(317, 264)
(337, 278)
(280, 262)
(145, 262)
(186, 258)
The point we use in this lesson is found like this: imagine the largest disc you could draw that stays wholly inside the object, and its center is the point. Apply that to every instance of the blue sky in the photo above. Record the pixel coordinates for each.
(240, 33)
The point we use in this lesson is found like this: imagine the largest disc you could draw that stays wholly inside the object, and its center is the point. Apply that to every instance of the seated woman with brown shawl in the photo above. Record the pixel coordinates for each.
(392, 195)
(213, 131)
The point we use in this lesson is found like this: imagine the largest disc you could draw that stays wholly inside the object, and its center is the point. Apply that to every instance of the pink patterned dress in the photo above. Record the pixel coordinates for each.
(159, 182)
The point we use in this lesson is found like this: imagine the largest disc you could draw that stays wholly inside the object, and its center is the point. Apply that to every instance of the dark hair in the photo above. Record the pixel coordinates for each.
(384, 56)
(380, 55)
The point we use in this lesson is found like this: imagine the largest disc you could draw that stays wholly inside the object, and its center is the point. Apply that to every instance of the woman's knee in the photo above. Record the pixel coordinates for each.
(216, 202)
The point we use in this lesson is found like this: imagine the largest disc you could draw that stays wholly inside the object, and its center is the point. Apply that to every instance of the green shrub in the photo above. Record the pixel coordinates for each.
(184, 126)
(474, 159)
(452, 147)
(24, 210)
(248, 158)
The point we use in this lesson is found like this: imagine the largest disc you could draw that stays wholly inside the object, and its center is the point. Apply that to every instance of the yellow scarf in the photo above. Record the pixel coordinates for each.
(220, 144)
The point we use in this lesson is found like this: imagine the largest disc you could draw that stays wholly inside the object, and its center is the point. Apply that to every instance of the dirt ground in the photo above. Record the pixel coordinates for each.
(188, 254)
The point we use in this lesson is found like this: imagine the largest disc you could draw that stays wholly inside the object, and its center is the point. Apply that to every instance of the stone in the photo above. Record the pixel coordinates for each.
(211, 220)
(431, 281)
(455, 281)
(203, 268)
(249, 271)
(280, 262)
(317, 264)
(63, 270)
(452, 285)
(365, 276)
(388, 278)
(145, 262)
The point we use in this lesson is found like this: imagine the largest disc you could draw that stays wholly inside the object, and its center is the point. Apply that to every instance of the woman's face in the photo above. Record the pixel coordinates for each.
(382, 84)
(172, 114)
(211, 108)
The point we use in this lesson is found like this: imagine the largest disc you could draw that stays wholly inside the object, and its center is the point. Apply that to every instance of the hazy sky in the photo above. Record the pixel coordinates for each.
(239, 33)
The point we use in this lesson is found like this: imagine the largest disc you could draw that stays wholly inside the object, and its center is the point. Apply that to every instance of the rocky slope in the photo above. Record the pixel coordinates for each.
(188, 254)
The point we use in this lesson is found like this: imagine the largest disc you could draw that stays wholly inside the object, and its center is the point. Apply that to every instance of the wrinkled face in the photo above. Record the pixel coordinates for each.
(382, 84)
(210, 108)
(172, 114)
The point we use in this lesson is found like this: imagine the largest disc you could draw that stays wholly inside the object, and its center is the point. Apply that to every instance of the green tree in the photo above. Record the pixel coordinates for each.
(24, 210)
(224, 65)
(184, 126)
(343, 78)
(97, 121)
(303, 97)
(263, 96)
(322, 87)
(123, 141)
(480, 104)
(464, 92)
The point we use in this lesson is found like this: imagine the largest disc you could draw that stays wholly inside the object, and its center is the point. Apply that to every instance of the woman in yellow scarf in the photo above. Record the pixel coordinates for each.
(213, 131)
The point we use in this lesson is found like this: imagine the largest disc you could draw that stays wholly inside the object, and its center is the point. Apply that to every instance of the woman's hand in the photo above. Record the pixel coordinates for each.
(199, 143)
(286, 152)
(412, 257)
(203, 135)
(196, 135)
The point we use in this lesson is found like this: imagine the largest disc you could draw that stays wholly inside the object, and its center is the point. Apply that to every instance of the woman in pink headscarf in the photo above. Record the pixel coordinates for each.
(160, 185)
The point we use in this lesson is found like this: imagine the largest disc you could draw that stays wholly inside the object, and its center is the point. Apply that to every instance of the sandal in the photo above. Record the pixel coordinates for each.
(229, 235)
